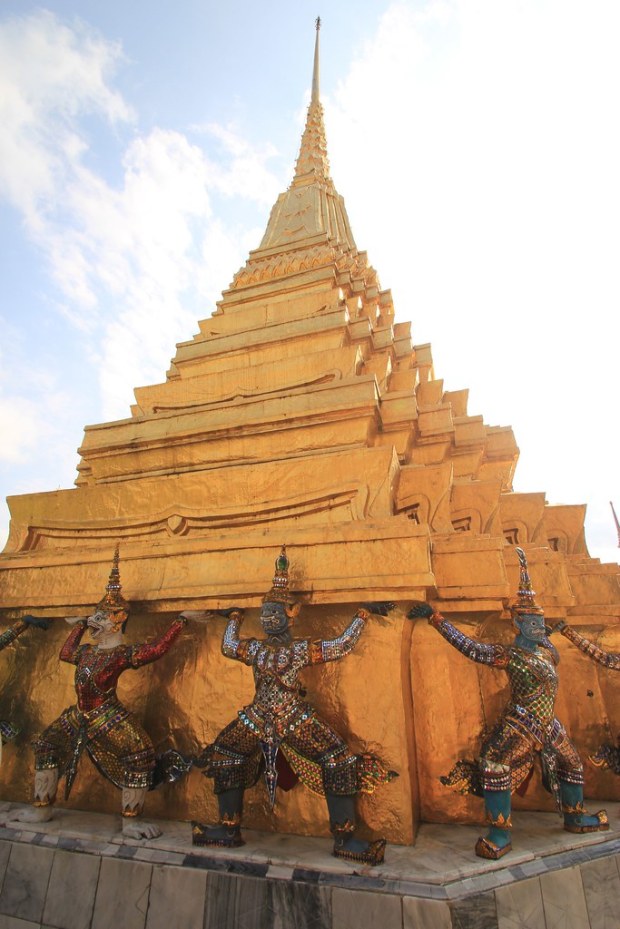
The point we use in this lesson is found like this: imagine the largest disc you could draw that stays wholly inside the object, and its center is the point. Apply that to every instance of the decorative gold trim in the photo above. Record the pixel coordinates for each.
(345, 828)
(231, 821)
(373, 855)
(574, 810)
(502, 822)
(577, 828)
(186, 521)
(489, 850)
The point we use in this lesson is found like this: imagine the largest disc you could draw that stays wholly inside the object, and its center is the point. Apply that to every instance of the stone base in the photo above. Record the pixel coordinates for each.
(77, 871)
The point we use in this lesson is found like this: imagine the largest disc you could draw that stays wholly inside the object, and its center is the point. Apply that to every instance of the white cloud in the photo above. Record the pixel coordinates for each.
(21, 421)
(127, 258)
(246, 174)
(50, 75)
(34, 408)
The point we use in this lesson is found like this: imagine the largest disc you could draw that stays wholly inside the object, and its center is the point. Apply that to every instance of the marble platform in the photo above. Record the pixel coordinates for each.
(78, 872)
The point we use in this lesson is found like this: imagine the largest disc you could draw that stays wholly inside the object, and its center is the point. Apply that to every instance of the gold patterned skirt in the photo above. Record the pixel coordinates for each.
(313, 751)
(111, 735)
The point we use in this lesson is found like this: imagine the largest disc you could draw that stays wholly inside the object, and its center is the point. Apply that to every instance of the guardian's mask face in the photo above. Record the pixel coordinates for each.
(103, 623)
(531, 626)
(274, 618)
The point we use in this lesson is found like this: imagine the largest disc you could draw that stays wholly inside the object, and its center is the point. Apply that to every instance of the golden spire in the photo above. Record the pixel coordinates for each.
(315, 73)
(312, 163)
(309, 218)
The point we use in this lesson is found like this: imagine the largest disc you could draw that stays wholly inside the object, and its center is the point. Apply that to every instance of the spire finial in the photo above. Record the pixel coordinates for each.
(616, 521)
(312, 161)
(315, 73)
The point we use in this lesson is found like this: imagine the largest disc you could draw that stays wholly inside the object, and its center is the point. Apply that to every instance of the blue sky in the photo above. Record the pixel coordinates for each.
(477, 147)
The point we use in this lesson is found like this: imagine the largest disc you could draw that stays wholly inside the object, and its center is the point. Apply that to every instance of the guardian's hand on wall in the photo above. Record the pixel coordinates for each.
(379, 607)
(227, 613)
(199, 615)
(420, 610)
(37, 621)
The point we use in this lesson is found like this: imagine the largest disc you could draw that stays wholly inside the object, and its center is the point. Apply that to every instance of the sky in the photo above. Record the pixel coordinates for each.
(476, 144)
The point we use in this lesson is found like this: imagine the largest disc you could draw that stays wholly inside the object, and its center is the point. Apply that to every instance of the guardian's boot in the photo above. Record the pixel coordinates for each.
(228, 833)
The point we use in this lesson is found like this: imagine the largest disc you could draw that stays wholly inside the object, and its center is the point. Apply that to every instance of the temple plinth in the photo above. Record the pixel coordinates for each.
(302, 412)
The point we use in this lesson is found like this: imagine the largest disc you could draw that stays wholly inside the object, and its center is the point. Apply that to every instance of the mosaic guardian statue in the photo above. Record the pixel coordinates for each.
(526, 729)
(99, 723)
(280, 732)
(607, 756)
(8, 730)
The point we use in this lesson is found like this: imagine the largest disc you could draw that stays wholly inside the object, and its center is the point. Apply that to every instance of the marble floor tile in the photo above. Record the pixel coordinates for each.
(564, 900)
(601, 886)
(241, 902)
(520, 905)
(122, 894)
(71, 871)
(358, 909)
(97, 826)
(177, 898)
(304, 906)
(426, 914)
(476, 912)
(25, 882)
(160, 856)
(12, 922)
(280, 872)
(252, 903)
(442, 862)
(5, 850)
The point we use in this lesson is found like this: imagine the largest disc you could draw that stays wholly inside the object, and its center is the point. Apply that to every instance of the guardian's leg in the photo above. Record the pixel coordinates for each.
(505, 761)
(42, 809)
(233, 761)
(342, 824)
(132, 804)
(570, 775)
(228, 832)
(342, 774)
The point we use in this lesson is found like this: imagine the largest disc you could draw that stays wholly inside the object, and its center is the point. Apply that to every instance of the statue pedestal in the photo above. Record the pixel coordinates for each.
(78, 868)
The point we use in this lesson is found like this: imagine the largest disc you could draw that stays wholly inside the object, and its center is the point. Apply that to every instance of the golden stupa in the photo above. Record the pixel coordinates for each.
(302, 412)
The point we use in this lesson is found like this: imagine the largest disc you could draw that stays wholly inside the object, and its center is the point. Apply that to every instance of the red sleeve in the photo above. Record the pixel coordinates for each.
(69, 650)
(151, 651)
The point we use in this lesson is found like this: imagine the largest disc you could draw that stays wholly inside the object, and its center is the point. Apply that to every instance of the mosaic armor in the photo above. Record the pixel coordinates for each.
(528, 724)
(8, 729)
(282, 733)
(9, 635)
(99, 723)
(599, 655)
(607, 756)
(526, 729)
(279, 719)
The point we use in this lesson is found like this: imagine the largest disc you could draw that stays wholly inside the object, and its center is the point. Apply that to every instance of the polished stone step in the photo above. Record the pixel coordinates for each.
(77, 871)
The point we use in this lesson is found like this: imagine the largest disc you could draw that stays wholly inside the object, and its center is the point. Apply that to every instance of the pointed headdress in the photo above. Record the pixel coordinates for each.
(279, 592)
(525, 601)
(113, 600)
